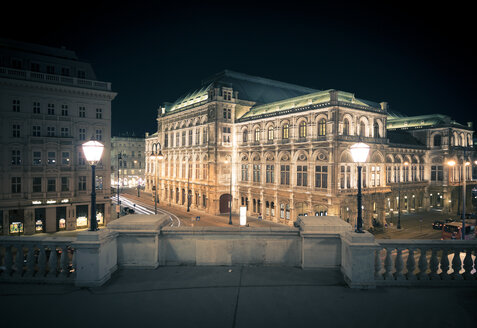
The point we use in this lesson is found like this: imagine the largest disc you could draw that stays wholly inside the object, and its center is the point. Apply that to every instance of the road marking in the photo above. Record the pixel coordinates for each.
(142, 209)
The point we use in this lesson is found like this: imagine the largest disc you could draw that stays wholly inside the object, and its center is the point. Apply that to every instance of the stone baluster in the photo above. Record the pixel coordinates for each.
(19, 260)
(456, 265)
(468, 264)
(423, 265)
(30, 262)
(411, 265)
(388, 264)
(8, 260)
(434, 265)
(445, 264)
(399, 265)
(52, 262)
(41, 261)
(64, 261)
(378, 265)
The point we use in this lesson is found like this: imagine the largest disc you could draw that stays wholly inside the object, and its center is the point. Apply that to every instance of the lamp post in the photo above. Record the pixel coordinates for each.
(189, 195)
(92, 152)
(359, 152)
(452, 163)
(156, 156)
(399, 198)
(119, 203)
(230, 191)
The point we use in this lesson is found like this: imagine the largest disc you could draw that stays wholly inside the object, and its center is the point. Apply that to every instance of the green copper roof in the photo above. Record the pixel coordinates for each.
(251, 88)
(307, 100)
(420, 121)
(190, 98)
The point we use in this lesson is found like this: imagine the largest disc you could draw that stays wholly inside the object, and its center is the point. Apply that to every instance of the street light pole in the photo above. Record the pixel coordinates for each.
(399, 197)
(93, 151)
(156, 155)
(119, 203)
(359, 152)
(188, 186)
(464, 164)
(231, 197)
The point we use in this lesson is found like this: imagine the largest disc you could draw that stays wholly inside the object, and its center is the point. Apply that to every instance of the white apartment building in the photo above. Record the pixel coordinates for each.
(50, 104)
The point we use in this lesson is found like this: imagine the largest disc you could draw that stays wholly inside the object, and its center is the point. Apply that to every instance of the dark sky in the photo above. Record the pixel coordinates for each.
(416, 56)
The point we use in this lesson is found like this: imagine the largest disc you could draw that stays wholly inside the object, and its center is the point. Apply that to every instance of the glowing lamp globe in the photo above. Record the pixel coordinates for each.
(93, 150)
(159, 156)
(359, 151)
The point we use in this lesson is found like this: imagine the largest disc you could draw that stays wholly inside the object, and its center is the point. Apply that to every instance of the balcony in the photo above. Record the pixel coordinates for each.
(53, 79)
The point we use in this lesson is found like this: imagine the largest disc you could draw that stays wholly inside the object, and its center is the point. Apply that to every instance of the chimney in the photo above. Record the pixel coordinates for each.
(384, 105)
(470, 124)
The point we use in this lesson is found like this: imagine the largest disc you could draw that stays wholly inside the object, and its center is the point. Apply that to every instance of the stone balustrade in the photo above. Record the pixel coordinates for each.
(425, 262)
(146, 242)
(56, 79)
(37, 259)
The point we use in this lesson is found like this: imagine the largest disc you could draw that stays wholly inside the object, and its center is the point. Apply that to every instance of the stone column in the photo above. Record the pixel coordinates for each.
(96, 257)
(357, 259)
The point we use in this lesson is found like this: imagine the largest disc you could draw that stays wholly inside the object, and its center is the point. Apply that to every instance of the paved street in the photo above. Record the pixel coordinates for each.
(414, 226)
(189, 218)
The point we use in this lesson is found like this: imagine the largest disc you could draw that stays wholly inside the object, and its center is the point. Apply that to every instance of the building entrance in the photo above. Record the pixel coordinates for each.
(225, 203)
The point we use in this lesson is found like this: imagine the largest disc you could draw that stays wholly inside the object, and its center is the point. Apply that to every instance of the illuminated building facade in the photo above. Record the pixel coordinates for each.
(282, 150)
(50, 104)
(127, 161)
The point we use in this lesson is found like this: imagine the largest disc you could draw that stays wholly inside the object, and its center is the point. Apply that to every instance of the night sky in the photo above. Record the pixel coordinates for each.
(417, 57)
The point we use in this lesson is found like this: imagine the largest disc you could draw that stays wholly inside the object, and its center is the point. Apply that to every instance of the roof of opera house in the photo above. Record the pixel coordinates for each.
(251, 88)
(268, 96)
(421, 121)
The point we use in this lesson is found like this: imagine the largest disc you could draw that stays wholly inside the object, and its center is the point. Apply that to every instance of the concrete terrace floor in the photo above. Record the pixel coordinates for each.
(188, 296)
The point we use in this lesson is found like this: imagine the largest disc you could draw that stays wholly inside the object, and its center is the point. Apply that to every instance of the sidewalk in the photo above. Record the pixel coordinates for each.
(234, 297)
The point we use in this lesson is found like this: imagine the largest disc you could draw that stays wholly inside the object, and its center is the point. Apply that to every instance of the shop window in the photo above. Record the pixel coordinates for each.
(40, 215)
(16, 222)
(60, 218)
(100, 214)
(81, 216)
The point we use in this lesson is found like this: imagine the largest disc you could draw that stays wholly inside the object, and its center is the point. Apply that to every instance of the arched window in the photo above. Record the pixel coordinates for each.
(376, 130)
(322, 127)
(245, 136)
(257, 134)
(362, 129)
(437, 140)
(302, 130)
(270, 133)
(345, 127)
(285, 130)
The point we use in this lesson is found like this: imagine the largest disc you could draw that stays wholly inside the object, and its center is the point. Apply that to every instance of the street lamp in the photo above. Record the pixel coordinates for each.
(452, 163)
(231, 198)
(399, 198)
(92, 151)
(359, 151)
(119, 203)
(156, 156)
(189, 195)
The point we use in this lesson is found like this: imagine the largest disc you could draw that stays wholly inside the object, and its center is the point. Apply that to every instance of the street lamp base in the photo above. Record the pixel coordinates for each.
(359, 231)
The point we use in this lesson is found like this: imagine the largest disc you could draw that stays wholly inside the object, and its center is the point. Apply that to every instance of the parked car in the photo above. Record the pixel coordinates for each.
(437, 225)
(127, 210)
